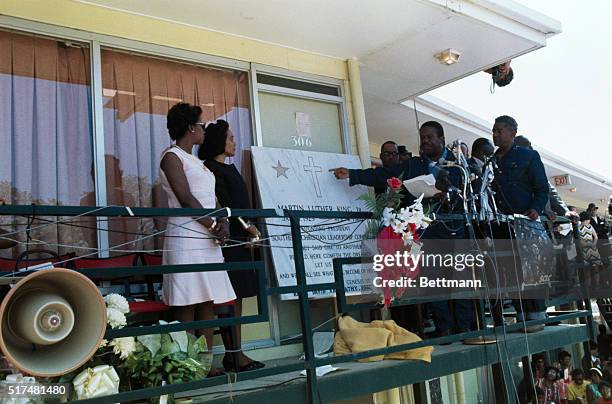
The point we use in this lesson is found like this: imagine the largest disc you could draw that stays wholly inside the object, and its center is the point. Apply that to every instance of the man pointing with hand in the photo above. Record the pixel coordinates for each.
(433, 153)
(431, 136)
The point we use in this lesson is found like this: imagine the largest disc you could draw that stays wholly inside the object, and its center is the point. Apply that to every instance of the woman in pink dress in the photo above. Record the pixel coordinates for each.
(189, 184)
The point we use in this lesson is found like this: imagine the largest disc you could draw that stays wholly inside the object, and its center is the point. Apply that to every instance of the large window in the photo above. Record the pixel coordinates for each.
(45, 130)
(301, 115)
(138, 91)
(296, 123)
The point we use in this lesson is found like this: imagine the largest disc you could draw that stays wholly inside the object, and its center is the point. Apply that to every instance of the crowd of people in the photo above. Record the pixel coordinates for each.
(561, 382)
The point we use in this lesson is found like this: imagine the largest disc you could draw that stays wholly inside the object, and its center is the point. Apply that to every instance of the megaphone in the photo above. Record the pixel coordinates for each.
(52, 322)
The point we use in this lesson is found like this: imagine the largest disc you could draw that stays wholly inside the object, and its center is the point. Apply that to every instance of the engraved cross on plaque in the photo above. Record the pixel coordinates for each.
(313, 170)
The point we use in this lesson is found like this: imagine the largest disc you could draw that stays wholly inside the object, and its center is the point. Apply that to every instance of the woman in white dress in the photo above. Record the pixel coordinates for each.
(189, 184)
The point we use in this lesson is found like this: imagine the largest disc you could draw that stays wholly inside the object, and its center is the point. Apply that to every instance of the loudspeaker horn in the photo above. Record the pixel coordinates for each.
(52, 322)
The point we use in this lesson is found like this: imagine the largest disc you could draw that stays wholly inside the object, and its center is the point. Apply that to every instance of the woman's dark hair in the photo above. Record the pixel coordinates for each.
(215, 136)
(584, 216)
(180, 117)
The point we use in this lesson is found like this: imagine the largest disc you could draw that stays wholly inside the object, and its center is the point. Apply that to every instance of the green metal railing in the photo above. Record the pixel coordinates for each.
(302, 288)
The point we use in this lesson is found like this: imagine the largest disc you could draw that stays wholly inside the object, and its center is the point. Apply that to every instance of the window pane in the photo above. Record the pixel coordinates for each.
(138, 92)
(295, 123)
(45, 131)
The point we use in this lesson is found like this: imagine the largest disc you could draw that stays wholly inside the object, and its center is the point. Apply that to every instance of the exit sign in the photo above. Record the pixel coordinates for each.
(560, 180)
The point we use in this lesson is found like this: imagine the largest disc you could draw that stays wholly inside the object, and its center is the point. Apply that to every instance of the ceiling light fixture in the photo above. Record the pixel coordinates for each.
(572, 189)
(448, 57)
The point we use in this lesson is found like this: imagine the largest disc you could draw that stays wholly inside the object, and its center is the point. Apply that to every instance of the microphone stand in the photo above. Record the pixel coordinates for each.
(486, 214)
(486, 193)
(471, 214)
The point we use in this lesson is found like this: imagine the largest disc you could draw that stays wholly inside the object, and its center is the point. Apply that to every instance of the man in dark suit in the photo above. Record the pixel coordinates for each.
(389, 156)
(482, 149)
(404, 154)
(433, 155)
(521, 187)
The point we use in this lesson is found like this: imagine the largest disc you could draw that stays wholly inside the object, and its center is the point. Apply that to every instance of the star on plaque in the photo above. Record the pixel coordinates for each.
(280, 170)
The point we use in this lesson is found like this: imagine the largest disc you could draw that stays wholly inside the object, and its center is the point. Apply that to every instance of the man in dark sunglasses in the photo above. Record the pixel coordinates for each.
(389, 154)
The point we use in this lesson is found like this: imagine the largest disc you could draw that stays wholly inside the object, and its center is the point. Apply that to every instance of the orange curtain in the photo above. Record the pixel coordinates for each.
(138, 92)
(45, 131)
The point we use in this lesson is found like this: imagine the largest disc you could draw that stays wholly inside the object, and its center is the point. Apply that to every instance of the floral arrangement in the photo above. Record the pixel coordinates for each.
(176, 357)
(122, 364)
(395, 229)
(117, 307)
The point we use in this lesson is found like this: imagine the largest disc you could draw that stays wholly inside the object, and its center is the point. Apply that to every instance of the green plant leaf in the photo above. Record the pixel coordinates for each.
(180, 337)
(197, 347)
(169, 347)
(152, 342)
(369, 201)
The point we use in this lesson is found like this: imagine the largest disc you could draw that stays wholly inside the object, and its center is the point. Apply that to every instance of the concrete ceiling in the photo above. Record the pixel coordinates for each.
(395, 40)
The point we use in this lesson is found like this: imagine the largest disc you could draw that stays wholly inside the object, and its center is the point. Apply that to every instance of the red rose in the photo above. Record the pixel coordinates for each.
(394, 183)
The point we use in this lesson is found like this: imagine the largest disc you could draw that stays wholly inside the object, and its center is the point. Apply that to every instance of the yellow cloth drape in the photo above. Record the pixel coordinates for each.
(354, 336)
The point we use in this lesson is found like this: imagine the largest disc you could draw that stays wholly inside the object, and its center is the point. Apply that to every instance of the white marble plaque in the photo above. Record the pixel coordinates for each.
(300, 180)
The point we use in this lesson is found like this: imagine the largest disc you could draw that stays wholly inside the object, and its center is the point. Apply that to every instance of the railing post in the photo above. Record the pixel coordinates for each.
(588, 321)
(300, 274)
(501, 381)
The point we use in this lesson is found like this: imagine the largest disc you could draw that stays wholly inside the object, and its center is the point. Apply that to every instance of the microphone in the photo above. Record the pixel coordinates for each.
(491, 159)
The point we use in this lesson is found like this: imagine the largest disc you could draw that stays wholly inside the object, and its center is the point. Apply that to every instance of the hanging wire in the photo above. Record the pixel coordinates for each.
(314, 228)
(56, 222)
